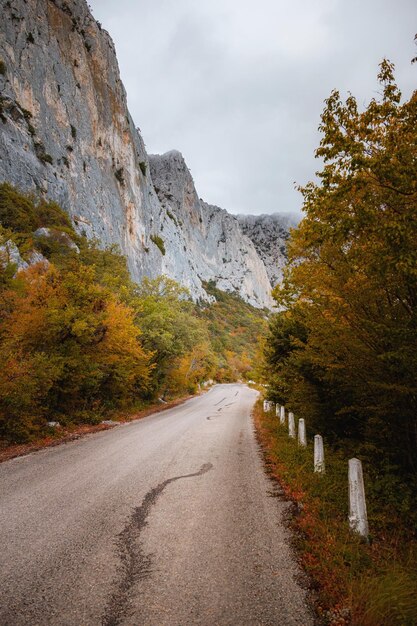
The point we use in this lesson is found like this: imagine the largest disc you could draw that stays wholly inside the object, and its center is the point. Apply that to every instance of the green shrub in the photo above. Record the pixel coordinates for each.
(2, 67)
(50, 214)
(158, 241)
(57, 242)
(17, 211)
(21, 214)
(142, 166)
(46, 158)
(172, 217)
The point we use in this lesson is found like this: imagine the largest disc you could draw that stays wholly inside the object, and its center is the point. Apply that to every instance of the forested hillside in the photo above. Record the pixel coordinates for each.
(79, 338)
(235, 328)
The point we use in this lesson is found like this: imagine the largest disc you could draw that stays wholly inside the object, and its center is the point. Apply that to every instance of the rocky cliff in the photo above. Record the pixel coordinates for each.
(65, 128)
(269, 234)
(66, 133)
(213, 244)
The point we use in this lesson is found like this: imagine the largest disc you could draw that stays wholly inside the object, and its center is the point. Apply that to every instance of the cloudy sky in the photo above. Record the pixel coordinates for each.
(238, 85)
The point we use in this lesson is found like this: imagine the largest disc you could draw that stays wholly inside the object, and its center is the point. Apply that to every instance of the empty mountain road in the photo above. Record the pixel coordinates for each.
(166, 521)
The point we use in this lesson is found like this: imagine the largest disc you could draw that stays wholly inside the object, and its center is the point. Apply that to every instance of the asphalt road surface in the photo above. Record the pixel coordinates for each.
(166, 521)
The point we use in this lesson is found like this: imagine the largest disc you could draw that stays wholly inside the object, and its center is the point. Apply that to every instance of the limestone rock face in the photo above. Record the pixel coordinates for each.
(10, 255)
(66, 131)
(66, 134)
(269, 234)
(213, 244)
(36, 257)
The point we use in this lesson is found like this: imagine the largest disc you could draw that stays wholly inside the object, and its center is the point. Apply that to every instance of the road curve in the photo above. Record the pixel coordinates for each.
(167, 521)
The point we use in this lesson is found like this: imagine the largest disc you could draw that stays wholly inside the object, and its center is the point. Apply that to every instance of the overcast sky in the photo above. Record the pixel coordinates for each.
(238, 85)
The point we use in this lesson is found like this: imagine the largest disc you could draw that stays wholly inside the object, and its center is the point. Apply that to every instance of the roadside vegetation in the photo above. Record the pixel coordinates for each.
(352, 581)
(342, 355)
(81, 341)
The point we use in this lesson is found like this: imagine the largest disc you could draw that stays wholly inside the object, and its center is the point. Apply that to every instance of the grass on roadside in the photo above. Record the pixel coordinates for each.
(357, 583)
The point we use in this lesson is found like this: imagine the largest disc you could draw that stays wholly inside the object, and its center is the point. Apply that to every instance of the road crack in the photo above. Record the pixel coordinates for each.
(135, 565)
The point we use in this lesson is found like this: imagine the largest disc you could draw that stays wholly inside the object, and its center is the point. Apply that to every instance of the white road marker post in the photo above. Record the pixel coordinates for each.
(358, 518)
(291, 425)
(277, 409)
(265, 406)
(282, 415)
(302, 439)
(318, 454)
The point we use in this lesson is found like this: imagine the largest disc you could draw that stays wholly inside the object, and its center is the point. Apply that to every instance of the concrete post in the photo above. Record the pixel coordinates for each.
(302, 439)
(318, 454)
(282, 415)
(265, 406)
(358, 519)
(291, 425)
(277, 409)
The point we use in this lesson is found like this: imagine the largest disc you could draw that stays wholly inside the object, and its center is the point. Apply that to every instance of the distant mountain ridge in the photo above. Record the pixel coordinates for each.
(66, 134)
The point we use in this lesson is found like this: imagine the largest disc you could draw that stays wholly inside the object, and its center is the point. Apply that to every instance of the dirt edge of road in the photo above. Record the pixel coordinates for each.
(65, 435)
(294, 509)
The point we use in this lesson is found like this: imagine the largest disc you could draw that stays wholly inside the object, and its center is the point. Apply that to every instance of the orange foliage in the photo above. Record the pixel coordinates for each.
(68, 347)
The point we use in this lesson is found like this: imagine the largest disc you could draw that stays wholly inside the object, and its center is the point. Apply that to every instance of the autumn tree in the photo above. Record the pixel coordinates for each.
(345, 349)
(173, 333)
(79, 338)
(69, 349)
